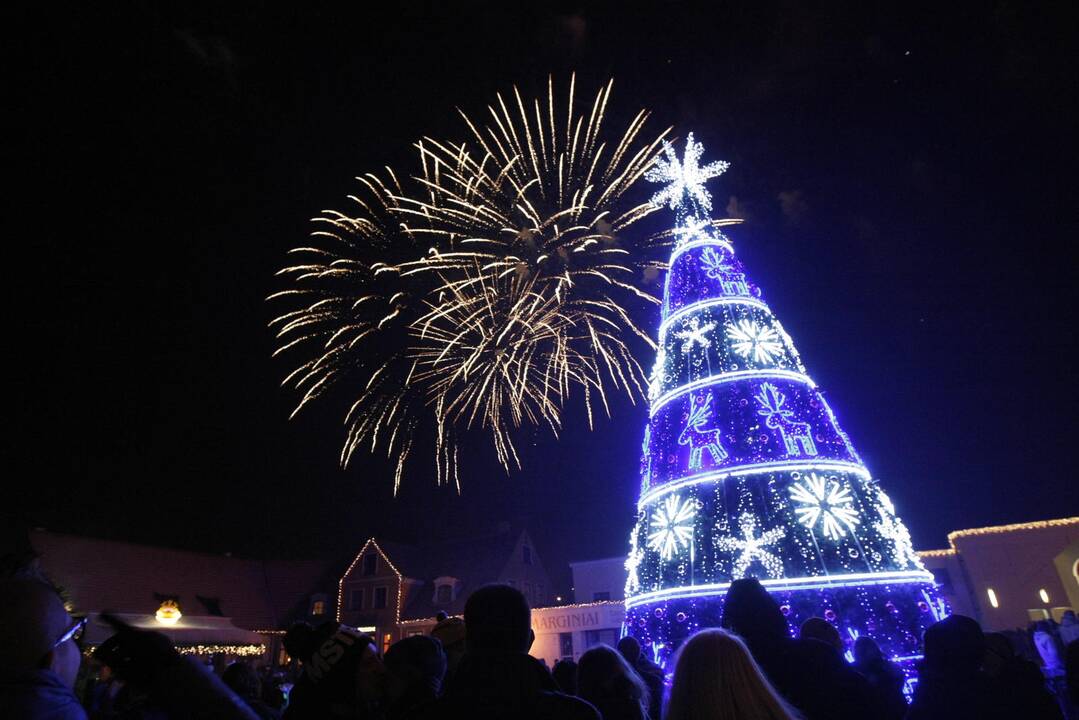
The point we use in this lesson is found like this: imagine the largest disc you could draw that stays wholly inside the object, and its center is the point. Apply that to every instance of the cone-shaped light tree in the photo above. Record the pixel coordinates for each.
(745, 471)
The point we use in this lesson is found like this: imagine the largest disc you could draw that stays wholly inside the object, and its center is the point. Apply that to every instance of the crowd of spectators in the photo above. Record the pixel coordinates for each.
(479, 667)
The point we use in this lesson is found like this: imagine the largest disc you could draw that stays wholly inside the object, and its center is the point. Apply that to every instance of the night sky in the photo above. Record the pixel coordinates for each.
(907, 176)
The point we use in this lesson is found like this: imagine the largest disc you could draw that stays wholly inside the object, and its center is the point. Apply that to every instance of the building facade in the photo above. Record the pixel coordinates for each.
(1007, 576)
(391, 590)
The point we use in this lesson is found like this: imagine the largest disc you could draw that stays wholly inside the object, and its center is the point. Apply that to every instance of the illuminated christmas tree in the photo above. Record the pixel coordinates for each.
(745, 471)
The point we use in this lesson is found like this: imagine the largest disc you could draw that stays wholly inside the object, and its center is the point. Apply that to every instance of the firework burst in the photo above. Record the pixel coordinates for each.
(483, 290)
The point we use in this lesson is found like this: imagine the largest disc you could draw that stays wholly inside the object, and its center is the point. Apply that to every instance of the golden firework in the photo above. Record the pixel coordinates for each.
(483, 290)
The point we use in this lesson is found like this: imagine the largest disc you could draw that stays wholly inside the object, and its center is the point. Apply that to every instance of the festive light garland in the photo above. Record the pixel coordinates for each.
(745, 470)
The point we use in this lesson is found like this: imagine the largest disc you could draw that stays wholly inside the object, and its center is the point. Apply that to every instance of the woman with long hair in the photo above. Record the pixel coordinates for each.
(606, 680)
(715, 678)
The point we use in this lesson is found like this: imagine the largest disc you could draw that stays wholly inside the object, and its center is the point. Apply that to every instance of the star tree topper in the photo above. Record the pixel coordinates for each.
(684, 179)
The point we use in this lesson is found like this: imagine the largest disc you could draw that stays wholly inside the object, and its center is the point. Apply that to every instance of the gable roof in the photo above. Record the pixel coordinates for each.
(473, 561)
(128, 578)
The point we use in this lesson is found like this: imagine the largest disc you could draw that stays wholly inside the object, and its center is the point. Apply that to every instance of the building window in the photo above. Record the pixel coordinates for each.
(379, 598)
(387, 640)
(355, 599)
(318, 607)
(370, 563)
(597, 597)
(444, 594)
(565, 645)
(992, 597)
(526, 555)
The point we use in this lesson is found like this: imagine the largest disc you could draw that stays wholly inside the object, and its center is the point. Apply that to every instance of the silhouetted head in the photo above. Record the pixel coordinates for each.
(565, 674)
(300, 641)
(956, 644)
(817, 628)
(498, 619)
(606, 680)
(415, 662)
(715, 676)
(752, 613)
(36, 632)
(243, 680)
(866, 650)
(630, 648)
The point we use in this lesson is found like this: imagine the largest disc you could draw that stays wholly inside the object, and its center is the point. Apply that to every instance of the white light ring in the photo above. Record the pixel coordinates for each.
(738, 470)
(819, 582)
(710, 242)
(710, 302)
(727, 377)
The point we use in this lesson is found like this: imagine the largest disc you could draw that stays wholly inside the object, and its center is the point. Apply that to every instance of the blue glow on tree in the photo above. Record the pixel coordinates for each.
(745, 471)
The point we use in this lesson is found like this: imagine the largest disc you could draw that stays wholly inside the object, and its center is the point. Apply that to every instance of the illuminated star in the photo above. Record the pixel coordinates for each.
(685, 178)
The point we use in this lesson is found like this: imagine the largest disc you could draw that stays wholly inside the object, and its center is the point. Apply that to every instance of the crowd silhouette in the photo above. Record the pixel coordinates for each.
(478, 667)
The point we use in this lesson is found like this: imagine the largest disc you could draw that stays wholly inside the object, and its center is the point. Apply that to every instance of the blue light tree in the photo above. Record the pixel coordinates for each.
(745, 471)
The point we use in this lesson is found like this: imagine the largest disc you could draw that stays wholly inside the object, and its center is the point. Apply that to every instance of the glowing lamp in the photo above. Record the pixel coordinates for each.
(169, 613)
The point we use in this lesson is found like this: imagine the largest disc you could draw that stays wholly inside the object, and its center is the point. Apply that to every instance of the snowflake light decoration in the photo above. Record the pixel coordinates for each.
(714, 263)
(685, 177)
(672, 526)
(825, 500)
(693, 332)
(750, 547)
(750, 339)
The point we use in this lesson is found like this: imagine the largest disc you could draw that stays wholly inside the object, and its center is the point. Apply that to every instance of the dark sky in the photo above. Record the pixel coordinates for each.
(908, 175)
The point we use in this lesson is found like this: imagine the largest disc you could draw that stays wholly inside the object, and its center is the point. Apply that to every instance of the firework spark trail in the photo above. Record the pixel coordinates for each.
(486, 288)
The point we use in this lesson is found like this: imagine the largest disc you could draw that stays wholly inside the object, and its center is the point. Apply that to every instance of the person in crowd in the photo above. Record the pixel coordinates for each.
(884, 677)
(951, 683)
(1071, 675)
(716, 678)
(450, 632)
(243, 680)
(158, 682)
(39, 658)
(606, 680)
(497, 678)
(1069, 628)
(415, 668)
(651, 673)
(811, 676)
(565, 674)
(1019, 682)
(342, 676)
(817, 628)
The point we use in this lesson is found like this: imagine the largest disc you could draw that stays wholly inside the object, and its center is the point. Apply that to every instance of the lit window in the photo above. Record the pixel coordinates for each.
(318, 607)
(1044, 595)
(992, 597)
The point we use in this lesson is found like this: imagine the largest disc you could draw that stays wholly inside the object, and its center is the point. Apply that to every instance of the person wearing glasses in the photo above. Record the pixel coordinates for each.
(39, 657)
